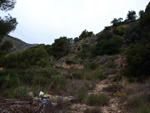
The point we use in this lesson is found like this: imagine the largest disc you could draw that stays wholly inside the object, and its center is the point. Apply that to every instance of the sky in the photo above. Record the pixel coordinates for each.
(43, 21)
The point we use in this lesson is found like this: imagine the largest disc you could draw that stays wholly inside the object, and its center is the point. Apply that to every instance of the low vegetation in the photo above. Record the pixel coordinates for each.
(120, 54)
(97, 99)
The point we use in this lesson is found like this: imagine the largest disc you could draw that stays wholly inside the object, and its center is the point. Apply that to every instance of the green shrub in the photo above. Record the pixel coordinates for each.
(138, 61)
(9, 78)
(91, 66)
(120, 30)
(93, 110)
(111, 88)
(61, 47)
(85, 34)
(110, 64)
(132, 33)
(106, 34)
(109, 46)
(143, 109)
(99, 75)
(84, 53)
(98, 99)
(140, 104)
(77, 74)
(81, 94)
(58, 82)
(10, 95)
(90, 85)
(41, 80)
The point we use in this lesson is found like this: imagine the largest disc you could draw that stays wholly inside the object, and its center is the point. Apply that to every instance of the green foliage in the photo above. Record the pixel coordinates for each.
(132, 33)
(143, 109)
(76, 39)
(91, 66)
(97, 99)
(93, 110)
(33, 56)
(145, 23)
(138, 53)
(81, 94)
(138, 61)
(141, 12)
(6, 5)
(7, 25)
(9, 79)
(120, 30)
(110, 64)
(58, 82)
(85, 52)
(90, 85)
(77, 74)
(85, 34)
(6, 46)
(106, 34)
(61, 47)
(99, 75)
(109, 47)
(111, 88)
(131, 16)
(140, 104)
(40, 80)
(116, 22)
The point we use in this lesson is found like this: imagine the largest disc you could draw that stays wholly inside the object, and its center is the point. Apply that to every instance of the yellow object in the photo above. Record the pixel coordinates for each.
(118, 94)
(54, 98)
(47, 95)
(124, 94)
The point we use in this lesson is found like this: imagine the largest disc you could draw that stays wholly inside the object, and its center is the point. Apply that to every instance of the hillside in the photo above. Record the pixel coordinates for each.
(18, 45)
(107, 72)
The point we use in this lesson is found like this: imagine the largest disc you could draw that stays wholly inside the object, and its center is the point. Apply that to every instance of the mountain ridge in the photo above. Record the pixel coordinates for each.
(18, 45)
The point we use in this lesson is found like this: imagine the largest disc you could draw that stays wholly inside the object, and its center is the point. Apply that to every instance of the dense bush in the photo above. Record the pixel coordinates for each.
(82, 92)
(109, 46)
(132, 33)
(33, 56)
(138, 61)
(138, 54)
(139, 104)
(61, 47)
(9, 79)
(91, 66)
(85, 52)
(145, 23)
(6, 46)
(85, 34)
(106, 34)
(99, 75)
(120, 30)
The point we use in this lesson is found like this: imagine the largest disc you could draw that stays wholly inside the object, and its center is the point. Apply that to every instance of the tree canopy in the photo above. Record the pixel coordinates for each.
(7, 25)
(116, 21)
(61, 47)
(6, 5)
(131, 16)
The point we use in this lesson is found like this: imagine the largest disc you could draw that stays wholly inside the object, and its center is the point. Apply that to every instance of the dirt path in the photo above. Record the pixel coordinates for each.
(115, 105)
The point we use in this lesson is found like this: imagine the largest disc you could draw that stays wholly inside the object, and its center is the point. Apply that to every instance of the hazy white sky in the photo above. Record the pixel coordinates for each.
(42, 21)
